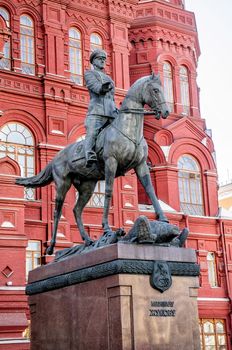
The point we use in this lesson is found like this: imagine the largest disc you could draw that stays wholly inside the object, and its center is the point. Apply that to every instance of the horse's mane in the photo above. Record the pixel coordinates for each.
(141, 81)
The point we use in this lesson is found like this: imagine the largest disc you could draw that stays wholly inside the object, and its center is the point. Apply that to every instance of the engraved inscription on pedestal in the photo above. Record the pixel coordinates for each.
(162, 309)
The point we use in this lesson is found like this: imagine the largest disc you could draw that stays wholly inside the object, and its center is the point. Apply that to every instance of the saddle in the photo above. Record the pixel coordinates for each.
(79, 152)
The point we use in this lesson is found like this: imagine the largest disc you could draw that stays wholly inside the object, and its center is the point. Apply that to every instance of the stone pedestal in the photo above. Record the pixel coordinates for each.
(104, 300)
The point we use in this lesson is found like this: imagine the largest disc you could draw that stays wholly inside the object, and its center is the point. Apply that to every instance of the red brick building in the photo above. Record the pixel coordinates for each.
(43, 103)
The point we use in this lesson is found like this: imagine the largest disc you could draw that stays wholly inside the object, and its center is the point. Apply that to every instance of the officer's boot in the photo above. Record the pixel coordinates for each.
(90, 155)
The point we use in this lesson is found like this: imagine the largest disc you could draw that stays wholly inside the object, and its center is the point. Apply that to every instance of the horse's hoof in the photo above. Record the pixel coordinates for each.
(183, 237)
(88, 242)
(107, 231)
(163, 219)
(49, 250)
(120, 232)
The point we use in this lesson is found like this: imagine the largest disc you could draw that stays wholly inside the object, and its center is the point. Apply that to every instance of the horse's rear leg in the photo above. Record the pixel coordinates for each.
(110, 171)
(143, 174)
(62, 187)
(85, 190)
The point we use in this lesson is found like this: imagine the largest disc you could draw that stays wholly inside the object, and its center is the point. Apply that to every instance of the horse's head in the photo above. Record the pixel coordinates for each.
(153, 96)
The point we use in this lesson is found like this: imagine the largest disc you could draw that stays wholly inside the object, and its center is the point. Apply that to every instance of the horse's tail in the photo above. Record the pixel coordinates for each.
(44, 178)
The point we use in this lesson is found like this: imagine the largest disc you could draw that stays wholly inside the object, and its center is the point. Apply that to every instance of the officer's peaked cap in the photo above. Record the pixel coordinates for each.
(97, 53)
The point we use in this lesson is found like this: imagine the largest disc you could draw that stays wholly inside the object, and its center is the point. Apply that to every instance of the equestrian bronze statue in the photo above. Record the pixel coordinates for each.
(102, 109)
(119, 148)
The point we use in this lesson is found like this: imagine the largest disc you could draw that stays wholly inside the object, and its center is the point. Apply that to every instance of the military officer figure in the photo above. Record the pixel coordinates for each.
(102, 109)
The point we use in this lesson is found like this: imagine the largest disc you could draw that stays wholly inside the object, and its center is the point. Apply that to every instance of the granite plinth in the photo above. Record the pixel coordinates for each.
(116, 310)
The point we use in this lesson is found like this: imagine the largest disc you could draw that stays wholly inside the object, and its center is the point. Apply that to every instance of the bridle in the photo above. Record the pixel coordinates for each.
(138, 111)
(154, 111)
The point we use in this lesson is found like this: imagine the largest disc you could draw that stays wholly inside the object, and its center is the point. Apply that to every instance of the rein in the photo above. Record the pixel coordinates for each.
(136, 143)
(138, 111)
(141, 110)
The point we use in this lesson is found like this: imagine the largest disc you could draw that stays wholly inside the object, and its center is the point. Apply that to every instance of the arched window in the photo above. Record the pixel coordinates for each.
(95, 42)
(213, 334)
(17, 142)
(184, 89)
(5, 62)
(75, 56)
(212, 272)
(27, 45)
(168, 85)
(190, 186)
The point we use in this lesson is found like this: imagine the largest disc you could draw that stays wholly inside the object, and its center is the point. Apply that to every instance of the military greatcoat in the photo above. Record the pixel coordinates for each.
(101, 103)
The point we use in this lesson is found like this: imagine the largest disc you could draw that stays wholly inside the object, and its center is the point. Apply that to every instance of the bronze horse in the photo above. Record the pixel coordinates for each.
(120, 147)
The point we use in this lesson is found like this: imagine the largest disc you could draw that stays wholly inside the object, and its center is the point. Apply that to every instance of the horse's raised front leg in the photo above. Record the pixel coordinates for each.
(85, 191)
(62, 187)
(143, 174)
(110, 171)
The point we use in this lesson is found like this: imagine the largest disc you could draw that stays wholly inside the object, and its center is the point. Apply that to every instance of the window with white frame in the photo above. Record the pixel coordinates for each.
(168, 85)
(5, 62)
(27, 45)
(75, 56)
(212, 271)
(17, 142)
(190, 186)
(98, 197)
(95, 42)
(213, 334)
(184, 89)
(33, 255)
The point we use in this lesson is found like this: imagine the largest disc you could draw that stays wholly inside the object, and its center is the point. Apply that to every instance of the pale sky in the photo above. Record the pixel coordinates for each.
(214, 23)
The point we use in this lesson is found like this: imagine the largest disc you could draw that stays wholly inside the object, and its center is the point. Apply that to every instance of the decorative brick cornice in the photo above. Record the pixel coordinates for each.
(155, 33)
(122, 8)
(29, 2)
(86, 18)
(166, 22)
(147, 11)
